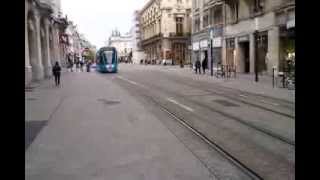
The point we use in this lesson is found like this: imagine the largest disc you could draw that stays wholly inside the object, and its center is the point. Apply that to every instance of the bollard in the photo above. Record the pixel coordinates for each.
(273, 69)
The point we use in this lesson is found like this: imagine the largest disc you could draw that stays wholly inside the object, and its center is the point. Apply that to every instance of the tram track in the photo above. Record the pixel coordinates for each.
(246, 166)
(234, 98)
(232, 159)
(240, 120)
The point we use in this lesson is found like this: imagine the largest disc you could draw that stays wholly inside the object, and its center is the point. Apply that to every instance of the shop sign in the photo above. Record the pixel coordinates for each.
(211, 33)
(195, 46)
(204, 43)
(216, 42)
(243, 39)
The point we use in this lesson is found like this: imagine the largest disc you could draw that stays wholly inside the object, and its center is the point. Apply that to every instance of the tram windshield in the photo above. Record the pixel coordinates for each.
(108, 57)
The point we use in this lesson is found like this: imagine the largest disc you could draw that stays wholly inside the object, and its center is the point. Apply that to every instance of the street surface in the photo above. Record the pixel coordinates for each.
(156, 122)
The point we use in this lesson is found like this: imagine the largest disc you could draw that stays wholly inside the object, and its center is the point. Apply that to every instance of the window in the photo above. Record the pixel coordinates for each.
(258, 6)
(196, 24)
(217, 16)
(205, 20)
(179, 26)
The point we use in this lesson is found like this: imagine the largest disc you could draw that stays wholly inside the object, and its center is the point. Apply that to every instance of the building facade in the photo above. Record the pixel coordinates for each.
(43, 39)
(259, 31)
(246, 34)
(74, 49)
(207, 16)
(123, 43)
(137, 51)
(166, 29)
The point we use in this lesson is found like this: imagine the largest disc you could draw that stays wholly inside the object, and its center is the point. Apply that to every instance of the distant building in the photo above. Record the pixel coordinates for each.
(123, 43)
(166, 30)
(137, 51)
(74, 49)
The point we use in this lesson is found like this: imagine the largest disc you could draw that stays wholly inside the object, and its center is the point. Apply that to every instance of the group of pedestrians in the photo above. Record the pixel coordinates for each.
(204, 64)
(79, 65)
(56, 69)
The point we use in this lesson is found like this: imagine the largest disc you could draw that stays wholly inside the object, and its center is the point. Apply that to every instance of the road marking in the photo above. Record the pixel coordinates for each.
(275, 104)
(129, 81)
(243, 95)
(132, 82)
(181, 105)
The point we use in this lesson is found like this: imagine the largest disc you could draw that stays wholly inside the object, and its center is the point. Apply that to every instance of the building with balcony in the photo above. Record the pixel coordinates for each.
(245, 33)
(207, 15)
(258, 31)
(166, 29)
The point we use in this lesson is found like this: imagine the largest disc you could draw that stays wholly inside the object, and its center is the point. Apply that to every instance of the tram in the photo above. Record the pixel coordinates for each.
(107, 60)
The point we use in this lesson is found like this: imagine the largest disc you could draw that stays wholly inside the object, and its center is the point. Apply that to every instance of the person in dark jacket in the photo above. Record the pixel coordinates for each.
(198, 66)
(204, 64)
(56, 71)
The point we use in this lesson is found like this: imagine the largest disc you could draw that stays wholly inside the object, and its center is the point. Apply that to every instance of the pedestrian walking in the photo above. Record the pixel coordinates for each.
(88, 66)
(56, 71)
(70, 64)
(204, 64)
(198, 66)
(81, 65)
(77, 65)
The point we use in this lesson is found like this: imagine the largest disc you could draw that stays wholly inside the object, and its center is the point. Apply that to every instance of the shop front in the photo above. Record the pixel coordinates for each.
(287, 43)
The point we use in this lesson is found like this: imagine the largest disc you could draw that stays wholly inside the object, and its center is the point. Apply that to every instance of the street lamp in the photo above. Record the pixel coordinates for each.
(256, 38)
(211, 51)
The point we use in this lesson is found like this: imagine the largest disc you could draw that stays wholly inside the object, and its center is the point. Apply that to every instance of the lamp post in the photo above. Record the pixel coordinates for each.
(211, 49)
(256, 38)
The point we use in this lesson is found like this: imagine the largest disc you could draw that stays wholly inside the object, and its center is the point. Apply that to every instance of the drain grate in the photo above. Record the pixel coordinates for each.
(108, 102)
(226, 103)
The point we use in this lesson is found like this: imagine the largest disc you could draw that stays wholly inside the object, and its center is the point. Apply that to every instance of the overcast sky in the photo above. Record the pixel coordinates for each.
(97, 18)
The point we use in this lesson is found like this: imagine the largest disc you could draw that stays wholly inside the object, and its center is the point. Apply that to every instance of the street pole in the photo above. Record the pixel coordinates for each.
(211, 57)
(256, 56)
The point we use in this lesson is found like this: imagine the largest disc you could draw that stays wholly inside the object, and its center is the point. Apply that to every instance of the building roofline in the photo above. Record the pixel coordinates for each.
(146, 6)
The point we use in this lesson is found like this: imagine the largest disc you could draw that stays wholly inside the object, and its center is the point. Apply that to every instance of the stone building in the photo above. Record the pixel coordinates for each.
(273, 22)
(74, 49)
(207, 15)
(43, 40)
(166, 30)
(242, 29)
(137, 51)
(123, 43)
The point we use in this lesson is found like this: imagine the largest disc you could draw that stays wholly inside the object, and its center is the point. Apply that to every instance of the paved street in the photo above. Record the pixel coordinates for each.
(156, 122)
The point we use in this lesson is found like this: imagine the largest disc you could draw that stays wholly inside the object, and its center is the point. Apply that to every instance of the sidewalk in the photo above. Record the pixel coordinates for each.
(243, 82)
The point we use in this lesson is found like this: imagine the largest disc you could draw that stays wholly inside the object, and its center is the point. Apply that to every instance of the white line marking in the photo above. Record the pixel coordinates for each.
(129, 81)
(243, 95)
(181, 105)
(275, 104)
